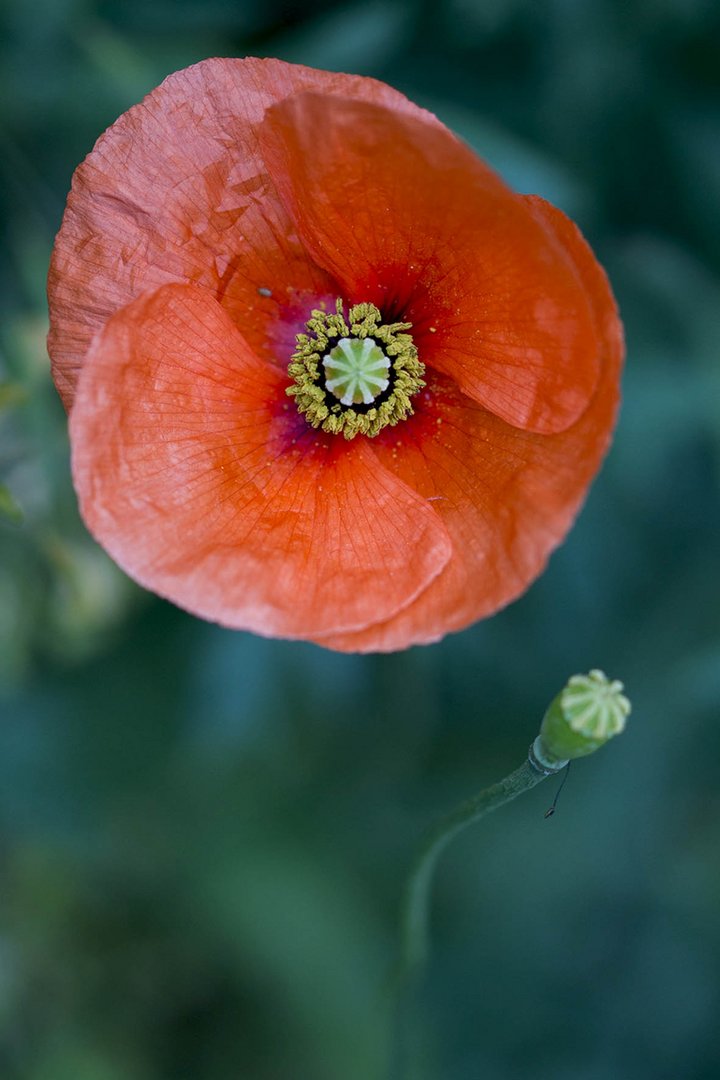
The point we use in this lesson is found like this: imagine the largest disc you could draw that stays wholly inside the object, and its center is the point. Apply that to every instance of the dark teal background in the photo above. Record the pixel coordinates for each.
(204, 834)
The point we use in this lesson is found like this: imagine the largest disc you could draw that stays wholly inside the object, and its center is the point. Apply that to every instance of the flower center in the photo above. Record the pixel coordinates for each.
(356, 371)
(354, 376)
(594, 706)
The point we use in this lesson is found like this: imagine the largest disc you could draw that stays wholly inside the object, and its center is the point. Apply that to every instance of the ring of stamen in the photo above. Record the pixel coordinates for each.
(355, 376)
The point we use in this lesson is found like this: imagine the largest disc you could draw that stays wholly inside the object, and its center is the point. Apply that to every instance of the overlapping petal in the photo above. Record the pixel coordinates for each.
(177, 191)
(200, 232)
(405, 216)
(507, 497)
(194, 478)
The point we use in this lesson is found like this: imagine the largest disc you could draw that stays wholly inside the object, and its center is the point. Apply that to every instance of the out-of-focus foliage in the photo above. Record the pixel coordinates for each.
(204, 834)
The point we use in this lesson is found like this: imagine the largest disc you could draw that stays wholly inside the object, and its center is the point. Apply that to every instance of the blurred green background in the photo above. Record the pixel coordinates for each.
(203, 834)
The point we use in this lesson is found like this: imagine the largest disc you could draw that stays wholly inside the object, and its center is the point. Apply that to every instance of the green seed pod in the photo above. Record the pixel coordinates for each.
(585, 714)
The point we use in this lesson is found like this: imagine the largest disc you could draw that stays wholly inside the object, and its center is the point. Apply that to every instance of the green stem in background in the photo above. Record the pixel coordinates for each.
(589, 710)
(585, 714)
(416, 905)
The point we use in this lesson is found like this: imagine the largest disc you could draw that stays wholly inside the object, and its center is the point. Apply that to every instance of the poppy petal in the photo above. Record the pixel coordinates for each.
(507, 497)
(407, 217)
(177, 191)
(201, 481)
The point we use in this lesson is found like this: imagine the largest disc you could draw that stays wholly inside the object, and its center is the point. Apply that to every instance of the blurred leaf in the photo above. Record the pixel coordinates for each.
(86, 599)
(11, 394)
(9, 509)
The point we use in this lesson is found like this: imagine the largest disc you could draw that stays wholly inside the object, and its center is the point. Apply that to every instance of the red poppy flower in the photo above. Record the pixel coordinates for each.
(328, 377)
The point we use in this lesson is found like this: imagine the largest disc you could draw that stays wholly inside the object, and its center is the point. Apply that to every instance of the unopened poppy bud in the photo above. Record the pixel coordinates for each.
(585, 714)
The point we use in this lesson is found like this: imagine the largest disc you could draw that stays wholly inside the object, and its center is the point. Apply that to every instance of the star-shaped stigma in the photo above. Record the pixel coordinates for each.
(356, 371)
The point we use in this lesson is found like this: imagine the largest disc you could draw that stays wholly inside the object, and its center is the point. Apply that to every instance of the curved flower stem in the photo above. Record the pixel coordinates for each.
(408, 1056)
(587, 712)
(416, 904)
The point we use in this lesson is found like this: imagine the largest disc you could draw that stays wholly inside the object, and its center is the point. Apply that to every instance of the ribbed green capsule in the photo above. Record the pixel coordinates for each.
(590, 710)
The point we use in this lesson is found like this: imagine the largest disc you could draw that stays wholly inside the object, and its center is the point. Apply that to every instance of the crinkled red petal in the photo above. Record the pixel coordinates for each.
(177, 191)
(196, 474)
(405, 216)
(507, 497)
